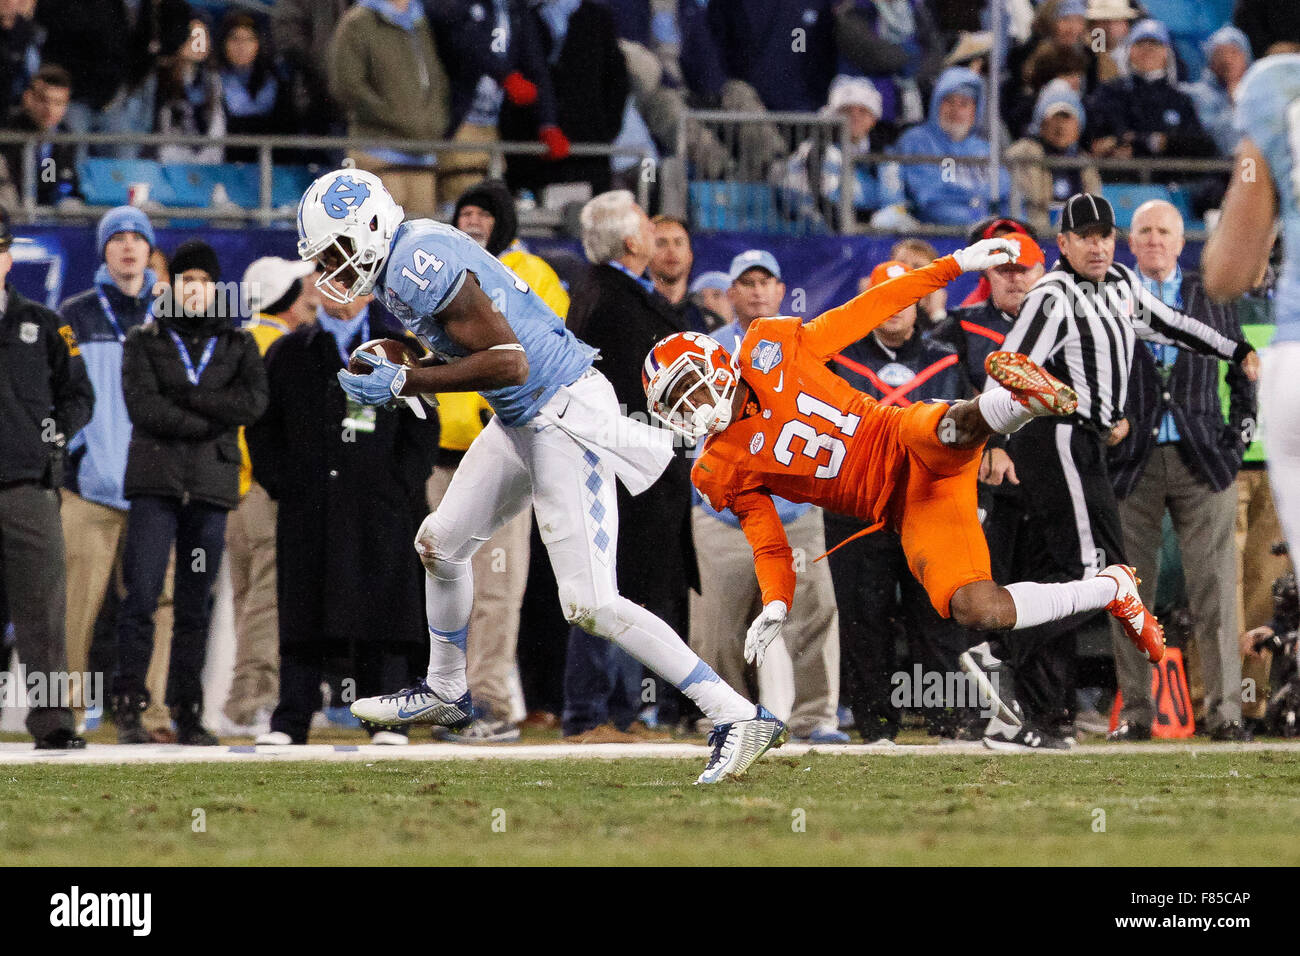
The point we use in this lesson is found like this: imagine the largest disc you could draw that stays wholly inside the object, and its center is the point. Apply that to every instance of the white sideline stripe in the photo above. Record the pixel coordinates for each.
(16, 754)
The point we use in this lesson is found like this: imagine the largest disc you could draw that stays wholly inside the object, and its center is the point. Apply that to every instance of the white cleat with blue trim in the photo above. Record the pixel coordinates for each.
(738, 744)
(415, 705)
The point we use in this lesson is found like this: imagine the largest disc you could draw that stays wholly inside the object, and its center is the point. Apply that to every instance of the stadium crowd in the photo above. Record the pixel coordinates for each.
(197, 447)
(1082, 78)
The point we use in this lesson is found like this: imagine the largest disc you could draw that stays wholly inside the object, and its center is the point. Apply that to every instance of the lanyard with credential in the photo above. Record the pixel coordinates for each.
(342, 346)
(110, 315)
(190, 372)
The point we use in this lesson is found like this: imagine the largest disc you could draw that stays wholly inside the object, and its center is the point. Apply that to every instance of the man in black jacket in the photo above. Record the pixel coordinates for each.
(45, 397)
(1180, 455)
(41, 109)
(190, 380)
(349, 483)
(616, 310)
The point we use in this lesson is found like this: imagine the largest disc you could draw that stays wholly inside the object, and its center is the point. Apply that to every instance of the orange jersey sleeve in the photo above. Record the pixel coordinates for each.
(845, 324)
(773, 559)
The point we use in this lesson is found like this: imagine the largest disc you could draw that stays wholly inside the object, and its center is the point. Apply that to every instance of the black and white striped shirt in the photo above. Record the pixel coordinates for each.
(1084, 332)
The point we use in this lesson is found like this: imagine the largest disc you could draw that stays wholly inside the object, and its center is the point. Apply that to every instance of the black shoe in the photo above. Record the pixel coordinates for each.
(1128, 731)
(61, 739)
(190, 731)
(1021, 737)
(1232, 732)
(127, 710)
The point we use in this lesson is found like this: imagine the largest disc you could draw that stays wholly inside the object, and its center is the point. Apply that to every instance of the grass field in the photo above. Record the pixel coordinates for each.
(1217, 809)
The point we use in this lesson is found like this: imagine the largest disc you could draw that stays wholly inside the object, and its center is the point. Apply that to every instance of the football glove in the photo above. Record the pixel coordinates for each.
(379, 387)
(765, 629)
(987, 253)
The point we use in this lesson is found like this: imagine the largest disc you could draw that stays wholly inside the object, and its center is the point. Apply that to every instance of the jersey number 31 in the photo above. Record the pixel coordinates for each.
(814, 441)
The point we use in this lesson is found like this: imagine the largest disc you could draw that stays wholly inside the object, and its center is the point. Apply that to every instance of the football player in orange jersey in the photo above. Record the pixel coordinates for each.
(777, 421)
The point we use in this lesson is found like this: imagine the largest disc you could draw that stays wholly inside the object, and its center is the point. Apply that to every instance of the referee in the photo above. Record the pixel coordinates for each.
(1080, 322)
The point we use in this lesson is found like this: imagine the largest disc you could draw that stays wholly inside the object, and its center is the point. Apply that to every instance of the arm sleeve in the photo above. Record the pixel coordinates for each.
(244, 399)
(148, 407)
(1243, 400)
(74, 397)
(1157, 322)
(427, 285)
(844, 325)
(773, 559)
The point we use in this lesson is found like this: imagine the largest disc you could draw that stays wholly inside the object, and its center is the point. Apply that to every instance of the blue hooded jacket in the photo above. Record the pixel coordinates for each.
(963, 201)
(97, 454)
(1213, 104)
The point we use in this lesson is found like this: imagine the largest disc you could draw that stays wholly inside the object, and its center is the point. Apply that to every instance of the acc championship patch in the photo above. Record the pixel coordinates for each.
(766, 355)
(70, 339)
(896, 374)
(756, 443)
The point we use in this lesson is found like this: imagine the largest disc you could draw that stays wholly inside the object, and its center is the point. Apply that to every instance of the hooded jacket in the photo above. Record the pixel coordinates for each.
(184, 437)
(963, 201)
(1214, 106)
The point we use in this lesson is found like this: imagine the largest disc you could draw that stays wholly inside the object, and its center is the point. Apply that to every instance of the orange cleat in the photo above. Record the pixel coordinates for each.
(1139, 624)
(1030, 385)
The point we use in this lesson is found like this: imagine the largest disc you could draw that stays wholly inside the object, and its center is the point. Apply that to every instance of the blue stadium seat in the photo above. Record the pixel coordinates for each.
(1126, 197)
(288, 183)
(104, 182)
(744, 207)
(194, 183)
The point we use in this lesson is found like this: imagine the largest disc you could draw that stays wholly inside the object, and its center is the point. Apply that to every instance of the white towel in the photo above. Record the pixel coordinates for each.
(588, 411)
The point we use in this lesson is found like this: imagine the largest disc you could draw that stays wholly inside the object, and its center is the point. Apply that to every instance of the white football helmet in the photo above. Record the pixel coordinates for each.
(349, 204)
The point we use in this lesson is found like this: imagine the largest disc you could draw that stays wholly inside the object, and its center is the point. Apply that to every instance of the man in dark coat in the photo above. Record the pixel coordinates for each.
(190, 380)
(45, 398)
(590, 84)
(616, 310)
(349, 480)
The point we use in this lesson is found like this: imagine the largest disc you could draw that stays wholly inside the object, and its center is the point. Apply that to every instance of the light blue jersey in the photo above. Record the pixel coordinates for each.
(1268, 111)
(426, 268)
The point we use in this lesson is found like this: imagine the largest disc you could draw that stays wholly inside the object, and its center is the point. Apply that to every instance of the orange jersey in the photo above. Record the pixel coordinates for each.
(809, 436)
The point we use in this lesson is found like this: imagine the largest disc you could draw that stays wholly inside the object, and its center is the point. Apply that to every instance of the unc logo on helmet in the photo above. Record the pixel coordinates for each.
(344, 195)
(346, 223)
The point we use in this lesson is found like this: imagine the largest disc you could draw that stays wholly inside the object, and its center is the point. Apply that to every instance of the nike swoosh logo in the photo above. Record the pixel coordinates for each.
(408, 714)
(780, 382)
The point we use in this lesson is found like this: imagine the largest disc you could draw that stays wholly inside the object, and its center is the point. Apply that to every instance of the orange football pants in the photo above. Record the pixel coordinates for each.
(935, 508)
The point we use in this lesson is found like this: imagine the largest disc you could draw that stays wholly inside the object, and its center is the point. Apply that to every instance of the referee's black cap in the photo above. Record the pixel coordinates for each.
(1083, 210)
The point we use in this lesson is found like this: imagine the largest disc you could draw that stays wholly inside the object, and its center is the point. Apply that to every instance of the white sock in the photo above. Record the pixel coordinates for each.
(658, 647)
(1001, 410)
(1038, 603)
(448, 600)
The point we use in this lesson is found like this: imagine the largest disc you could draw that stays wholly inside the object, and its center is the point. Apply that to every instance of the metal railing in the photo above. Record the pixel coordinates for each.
(787, 133)
(265, 212)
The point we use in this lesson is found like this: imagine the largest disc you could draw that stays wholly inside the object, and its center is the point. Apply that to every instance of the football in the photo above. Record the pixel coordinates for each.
(395, 350)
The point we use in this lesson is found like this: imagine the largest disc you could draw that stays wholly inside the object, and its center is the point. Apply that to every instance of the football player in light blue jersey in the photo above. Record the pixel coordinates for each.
(558, 440)
(1265, 186)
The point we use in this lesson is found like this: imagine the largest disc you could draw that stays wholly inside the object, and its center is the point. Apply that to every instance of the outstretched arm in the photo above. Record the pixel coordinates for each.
(1237, 251)
(842, 326)
(773, 563)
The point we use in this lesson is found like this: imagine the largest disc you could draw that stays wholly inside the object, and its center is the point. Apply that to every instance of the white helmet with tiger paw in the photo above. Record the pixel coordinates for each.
(346, 221)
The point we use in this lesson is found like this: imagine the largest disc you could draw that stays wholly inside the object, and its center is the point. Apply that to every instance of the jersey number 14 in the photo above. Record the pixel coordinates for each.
(814, 441)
